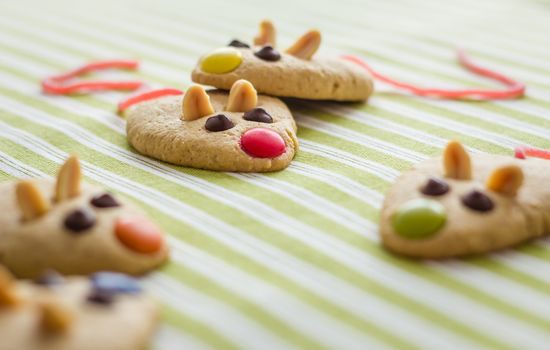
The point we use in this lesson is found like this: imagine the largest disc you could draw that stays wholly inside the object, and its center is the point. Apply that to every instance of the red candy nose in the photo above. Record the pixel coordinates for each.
(262, 143)
(139, 234)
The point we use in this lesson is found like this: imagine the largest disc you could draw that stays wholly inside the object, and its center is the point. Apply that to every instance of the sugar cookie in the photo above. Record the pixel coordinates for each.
(239, 131)
(105, 311)
(292, 73)
(74, 228)
(472, 204)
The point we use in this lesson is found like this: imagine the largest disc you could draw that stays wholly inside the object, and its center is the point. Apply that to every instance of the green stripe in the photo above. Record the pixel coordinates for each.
(197, 329)
(206, 286)
(5, 176)
(473, 121)
(512, 274)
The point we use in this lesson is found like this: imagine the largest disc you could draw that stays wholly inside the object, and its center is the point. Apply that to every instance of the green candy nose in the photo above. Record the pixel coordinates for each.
(419, 218)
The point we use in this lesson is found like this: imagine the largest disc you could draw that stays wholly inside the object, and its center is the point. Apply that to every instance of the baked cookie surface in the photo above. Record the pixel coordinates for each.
(107, 311)
(239, 131)
(74, 228)
(293, 73)
(470, 205)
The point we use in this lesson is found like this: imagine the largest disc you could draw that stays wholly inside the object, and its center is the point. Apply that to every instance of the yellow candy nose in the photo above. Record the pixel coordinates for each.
(222, 60)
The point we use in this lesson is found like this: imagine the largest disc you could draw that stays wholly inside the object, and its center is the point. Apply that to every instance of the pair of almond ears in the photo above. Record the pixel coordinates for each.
(32, 201)
(54, 316)
(457, 165)
(304, 48)
(196, 102)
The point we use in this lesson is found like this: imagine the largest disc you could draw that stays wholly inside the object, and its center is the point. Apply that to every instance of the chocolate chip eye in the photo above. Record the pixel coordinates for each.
(477, 201)
(435, 187)
(238, 43)
(218, 123)
(80, 220)
(105, 200)
(49, 278)
(268, 53)
(258, 115)
(100, 297)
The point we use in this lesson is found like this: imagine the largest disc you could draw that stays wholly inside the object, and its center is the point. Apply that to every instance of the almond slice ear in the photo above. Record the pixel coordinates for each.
(242, 97)
(506, 180)
(8, 295)
(30, 200)
(196, 103)
(267, 34)
(306, 46)
(456, 162)
(55, 317)
(68, 179)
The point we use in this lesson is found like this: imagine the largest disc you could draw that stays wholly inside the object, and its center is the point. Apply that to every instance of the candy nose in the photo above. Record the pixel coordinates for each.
(419, 218)
(139, 234)
(262, 143)
(221, 61)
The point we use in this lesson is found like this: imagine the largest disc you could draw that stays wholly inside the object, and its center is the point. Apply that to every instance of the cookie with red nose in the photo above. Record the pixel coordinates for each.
(74, 228)
(216, 130)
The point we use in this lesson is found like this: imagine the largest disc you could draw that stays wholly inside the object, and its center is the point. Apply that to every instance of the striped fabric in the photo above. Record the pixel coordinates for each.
(292, 259)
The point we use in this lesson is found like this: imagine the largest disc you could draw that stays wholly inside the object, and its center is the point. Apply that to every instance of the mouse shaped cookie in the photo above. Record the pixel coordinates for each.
(462, 205)
(106, 311)
(74, 228)
(214, 130)
(292, 73)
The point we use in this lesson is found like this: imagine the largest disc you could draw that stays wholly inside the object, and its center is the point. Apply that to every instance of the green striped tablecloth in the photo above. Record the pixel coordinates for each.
(292, 259)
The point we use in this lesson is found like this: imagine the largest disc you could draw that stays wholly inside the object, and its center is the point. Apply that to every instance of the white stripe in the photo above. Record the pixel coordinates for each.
(170, 338)
(350, 187)
(311, 321)
(528, 299)
(383, 172)
(446, 123)
(237, 328)
(71, 60)
(375, 121)
(528, 265)
(356, 137)
(305, 198)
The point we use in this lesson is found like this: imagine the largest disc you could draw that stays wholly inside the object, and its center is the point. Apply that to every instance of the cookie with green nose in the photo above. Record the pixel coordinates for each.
(464, 204)
(294, 72)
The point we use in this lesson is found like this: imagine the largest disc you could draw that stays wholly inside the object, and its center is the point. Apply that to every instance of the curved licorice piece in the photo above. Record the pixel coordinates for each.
(523, 152)
(514, 88)
(60, 85)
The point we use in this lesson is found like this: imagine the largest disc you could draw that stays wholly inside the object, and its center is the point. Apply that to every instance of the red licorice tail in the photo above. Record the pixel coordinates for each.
(514, 88)
(523, 152)
(59, 84)
(146, 96)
